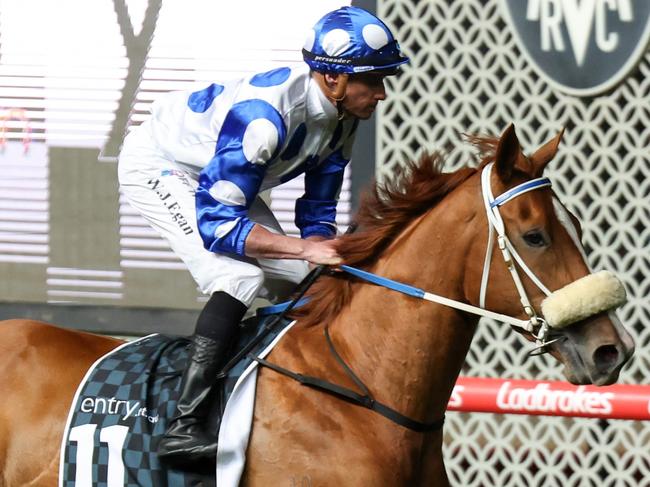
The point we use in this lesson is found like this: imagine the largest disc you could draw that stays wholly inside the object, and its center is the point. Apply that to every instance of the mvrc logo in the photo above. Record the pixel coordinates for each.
(582, 47)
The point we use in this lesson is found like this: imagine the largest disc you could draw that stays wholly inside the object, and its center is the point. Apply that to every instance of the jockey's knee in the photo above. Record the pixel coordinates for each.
(243, 286)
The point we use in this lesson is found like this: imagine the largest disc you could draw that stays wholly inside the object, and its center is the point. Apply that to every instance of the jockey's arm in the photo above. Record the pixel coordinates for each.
(229, 184)
(315, 217)
(315, 249)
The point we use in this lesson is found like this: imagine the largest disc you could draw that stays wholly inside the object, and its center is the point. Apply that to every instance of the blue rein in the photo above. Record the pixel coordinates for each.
(361, 274)
(384, 281)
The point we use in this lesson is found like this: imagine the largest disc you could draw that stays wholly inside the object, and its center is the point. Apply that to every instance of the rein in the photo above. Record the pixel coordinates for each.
(419, 293)
(495, 224)
(535, 325)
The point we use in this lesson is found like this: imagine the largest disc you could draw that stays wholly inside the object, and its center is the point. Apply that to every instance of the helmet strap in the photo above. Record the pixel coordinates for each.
(340, 110)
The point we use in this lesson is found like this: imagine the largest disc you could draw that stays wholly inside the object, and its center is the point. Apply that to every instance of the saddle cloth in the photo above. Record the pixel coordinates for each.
(125, 402)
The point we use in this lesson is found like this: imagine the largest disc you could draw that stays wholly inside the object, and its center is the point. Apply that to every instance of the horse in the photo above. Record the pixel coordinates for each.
(430, 230)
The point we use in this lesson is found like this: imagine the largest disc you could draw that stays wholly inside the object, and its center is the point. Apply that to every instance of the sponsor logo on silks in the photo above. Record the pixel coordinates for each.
(124, 409)
(543, 399)
(581, 47)
(172, 172)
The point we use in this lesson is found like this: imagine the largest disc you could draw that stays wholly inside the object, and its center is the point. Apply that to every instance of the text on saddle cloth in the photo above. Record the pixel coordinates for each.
(123, 407)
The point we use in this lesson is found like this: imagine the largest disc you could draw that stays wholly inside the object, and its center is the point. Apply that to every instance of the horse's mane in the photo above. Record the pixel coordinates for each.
(384, 211)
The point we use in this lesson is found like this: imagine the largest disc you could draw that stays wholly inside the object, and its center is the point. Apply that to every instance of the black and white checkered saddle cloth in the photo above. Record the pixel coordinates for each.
(123, 407)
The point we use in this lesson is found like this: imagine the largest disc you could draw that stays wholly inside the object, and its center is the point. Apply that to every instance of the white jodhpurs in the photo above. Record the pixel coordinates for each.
(163, 192)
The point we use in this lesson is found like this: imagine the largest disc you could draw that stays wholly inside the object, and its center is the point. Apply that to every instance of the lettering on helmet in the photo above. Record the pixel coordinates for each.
(332, 60)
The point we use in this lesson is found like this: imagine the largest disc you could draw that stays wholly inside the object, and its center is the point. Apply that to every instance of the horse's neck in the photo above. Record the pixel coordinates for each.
(410, 351)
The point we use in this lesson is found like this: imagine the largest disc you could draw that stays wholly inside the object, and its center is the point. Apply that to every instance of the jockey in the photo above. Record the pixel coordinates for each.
(195, 168)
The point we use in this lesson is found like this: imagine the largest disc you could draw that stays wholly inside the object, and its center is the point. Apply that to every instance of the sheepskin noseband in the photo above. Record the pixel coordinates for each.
(585, 297)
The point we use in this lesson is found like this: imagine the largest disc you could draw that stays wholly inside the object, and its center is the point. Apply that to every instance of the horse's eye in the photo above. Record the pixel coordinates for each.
(535, 238)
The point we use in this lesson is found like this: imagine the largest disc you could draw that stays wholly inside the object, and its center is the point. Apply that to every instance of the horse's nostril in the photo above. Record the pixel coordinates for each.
(606, 357)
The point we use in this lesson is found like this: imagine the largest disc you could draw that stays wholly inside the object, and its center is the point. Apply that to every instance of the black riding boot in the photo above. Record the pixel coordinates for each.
(186, 440)
(187, 443)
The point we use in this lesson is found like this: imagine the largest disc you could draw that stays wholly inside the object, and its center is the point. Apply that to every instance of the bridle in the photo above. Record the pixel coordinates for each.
(535, 324)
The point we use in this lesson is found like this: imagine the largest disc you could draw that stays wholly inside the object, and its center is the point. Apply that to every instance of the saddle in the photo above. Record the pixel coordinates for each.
(123, 407)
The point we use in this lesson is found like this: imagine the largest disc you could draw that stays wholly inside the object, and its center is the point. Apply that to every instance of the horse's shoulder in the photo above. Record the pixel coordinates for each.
(305, 350)
(297, 346)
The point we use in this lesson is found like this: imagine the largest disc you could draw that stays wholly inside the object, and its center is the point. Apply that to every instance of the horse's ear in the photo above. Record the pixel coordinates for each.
(508, 154)
(545, 153)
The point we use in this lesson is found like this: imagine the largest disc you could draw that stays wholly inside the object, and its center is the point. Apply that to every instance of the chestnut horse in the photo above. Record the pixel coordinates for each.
(430, 230)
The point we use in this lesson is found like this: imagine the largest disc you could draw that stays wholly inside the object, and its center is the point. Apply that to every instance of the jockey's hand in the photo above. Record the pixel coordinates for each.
(318, 251)
(315, 250)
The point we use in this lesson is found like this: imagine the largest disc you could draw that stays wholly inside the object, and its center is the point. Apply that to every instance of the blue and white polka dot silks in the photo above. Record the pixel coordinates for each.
(351, 40)
(244, 136)
(250, 136)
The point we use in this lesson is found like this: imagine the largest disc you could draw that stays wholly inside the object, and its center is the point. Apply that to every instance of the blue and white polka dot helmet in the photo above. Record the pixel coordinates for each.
(351, 40)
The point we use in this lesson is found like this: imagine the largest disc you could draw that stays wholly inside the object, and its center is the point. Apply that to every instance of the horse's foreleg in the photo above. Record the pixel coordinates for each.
(432, 466)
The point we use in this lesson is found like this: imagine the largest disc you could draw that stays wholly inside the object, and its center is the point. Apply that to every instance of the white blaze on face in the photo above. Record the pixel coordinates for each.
(565, 219)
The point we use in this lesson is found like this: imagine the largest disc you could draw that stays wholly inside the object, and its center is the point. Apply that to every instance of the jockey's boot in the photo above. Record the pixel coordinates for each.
(187, 443)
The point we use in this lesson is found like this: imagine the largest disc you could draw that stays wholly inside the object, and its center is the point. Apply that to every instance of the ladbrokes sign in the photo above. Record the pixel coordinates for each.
(582, 47)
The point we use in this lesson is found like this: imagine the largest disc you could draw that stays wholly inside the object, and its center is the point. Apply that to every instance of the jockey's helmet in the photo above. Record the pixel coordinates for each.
(352, 40)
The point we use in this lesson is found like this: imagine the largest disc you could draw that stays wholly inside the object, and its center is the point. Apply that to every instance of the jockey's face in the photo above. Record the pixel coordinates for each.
(362, 94)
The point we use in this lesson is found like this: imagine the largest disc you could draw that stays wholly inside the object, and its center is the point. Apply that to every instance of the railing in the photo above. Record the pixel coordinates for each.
(550, 398)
